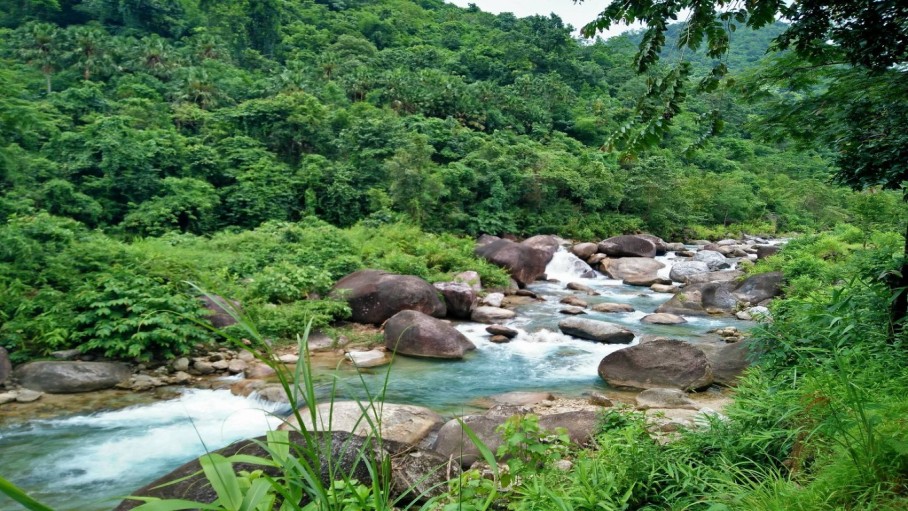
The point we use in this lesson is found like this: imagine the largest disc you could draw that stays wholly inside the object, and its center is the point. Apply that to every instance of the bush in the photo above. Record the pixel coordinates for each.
(125, 315)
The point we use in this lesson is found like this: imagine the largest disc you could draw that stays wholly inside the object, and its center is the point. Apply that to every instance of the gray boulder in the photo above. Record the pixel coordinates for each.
(760, 287)
(63, 377)
(628, 246)
(684, 269)
(525, 263)
(460, 298)
(595, 330)
(628, 267)
(659, 363)
(415, 334)
(714, 260)
(375, 295)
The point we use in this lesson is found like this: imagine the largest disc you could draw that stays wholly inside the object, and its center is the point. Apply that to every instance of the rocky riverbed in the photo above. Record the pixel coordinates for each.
(539, 346)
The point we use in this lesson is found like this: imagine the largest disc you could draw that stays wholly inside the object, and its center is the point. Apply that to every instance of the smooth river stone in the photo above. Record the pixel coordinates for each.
(595, 330)
(491, 314)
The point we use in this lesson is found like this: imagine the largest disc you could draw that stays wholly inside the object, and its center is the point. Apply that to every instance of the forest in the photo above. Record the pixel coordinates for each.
(264, 149)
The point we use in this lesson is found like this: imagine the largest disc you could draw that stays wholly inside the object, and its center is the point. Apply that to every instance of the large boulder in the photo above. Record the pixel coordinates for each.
(375, 295)
(714, 260)
(399, 423)
(416, 334)
(660, 363)
(525, 263)
(544, 242)
(684, 269)
(760, 287)
(595, 330)
(628, 246)
(65, 377)
(336, 453)
(6, 367)
(632, 267)
(728, 361)
(221, 312)
(460, 298)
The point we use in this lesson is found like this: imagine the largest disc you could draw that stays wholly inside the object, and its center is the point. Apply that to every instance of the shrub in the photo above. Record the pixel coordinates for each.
(126, 315)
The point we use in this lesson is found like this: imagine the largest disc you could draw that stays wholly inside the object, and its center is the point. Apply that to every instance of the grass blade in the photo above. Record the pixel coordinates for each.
(14, 492)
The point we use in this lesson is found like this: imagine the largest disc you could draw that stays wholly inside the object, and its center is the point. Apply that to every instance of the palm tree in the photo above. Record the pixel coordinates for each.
(89, 49)
(39, 46)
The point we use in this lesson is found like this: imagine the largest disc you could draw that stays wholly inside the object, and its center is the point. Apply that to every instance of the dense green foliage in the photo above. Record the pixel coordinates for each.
(149, 117)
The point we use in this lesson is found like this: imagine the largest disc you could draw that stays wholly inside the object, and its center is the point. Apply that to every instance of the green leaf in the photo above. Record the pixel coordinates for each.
(219, 472)
(14, 492)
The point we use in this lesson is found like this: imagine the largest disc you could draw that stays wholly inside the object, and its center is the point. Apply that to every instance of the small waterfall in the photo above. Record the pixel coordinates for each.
(567, 267)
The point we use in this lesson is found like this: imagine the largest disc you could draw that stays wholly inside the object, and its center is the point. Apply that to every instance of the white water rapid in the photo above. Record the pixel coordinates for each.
(73, 461)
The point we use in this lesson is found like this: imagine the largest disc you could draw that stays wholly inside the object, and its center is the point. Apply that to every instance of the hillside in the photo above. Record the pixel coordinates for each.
(193, 117)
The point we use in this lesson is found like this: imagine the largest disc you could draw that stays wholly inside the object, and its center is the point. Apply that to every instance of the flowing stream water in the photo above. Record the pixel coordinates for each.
(88, 462)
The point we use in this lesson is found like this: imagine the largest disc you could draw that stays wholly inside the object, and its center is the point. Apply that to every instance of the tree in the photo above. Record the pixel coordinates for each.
(39, 46)
(863, 45)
